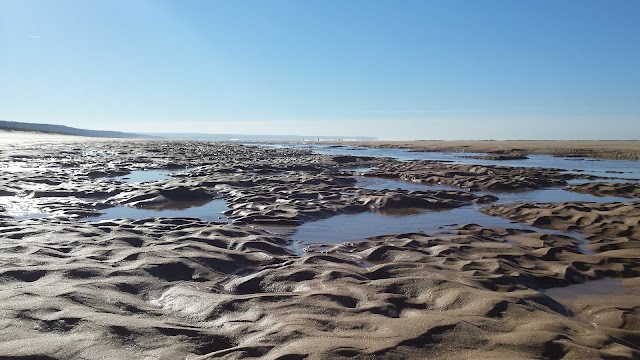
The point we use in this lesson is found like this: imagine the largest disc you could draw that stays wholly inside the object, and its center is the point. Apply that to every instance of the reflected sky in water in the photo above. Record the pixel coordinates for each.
(204, 210)
(597, 167)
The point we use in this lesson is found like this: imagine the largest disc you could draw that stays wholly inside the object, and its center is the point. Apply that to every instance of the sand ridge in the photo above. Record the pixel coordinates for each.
(628, 190)
(474, 177)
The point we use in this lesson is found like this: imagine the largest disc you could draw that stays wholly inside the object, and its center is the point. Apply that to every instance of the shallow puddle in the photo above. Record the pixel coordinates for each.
(534, 196)
(20, 208)
(591, 289)
(552, 195)
(396, 153)
(357, 227)
(138, 176)
(148, 175)
(596, 167)
(207, 211)
(361, 170)
(376, 183)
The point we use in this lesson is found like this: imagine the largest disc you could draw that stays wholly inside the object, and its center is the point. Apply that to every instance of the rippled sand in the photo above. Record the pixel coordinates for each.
(235, 287)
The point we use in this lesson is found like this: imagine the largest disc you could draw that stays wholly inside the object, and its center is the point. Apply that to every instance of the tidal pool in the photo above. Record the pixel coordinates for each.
(620, 169)
(139, 176)
(504, 197)
(203, 210)
(358, 227)
(600, 287)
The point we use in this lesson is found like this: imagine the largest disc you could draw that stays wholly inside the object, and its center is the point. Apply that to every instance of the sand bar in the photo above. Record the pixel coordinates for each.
(609, 149)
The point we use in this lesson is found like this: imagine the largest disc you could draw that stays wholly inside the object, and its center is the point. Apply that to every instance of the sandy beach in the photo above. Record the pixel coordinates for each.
(607, 149)
(24, 137)
(558, 280)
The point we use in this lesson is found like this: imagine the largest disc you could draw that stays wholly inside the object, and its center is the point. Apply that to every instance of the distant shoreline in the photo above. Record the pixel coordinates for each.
(603, 149)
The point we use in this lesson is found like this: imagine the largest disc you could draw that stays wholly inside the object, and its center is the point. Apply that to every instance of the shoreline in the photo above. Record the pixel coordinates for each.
(470, 283)
(603, 149)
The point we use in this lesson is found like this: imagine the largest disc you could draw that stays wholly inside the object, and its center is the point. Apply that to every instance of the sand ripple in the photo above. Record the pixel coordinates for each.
(167, 288)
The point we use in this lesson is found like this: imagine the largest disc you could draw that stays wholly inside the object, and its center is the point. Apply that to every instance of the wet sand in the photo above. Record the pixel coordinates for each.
(618, 149)
(77, 287)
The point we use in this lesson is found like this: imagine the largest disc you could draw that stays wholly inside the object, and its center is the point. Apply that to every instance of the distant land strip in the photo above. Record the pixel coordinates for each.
(66, 130)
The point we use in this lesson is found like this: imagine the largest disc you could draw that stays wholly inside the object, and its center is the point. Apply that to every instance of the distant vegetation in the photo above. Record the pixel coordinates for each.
(65, 130)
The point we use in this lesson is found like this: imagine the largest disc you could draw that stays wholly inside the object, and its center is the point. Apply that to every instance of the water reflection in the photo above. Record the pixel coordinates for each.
(620, 169)
(533, 196)
(357, 227)
(203, 210)
(376, 183)
(21, 208)
(139, 176)
(553, 195)
(591, 289)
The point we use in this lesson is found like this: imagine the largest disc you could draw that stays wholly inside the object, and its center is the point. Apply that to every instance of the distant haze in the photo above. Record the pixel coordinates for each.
(411, 69)
(247, 137)
(65, 130)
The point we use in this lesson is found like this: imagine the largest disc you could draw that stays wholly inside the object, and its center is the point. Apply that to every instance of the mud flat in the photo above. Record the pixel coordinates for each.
(79, 285)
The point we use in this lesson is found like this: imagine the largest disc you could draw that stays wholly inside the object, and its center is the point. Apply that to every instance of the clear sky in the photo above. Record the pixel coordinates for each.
(424, 69)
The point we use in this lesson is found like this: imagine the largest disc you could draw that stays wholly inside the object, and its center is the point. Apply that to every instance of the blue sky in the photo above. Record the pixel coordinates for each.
(449, 69)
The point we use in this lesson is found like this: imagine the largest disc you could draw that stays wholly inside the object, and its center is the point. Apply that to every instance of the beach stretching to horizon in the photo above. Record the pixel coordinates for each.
(190, 249)
(288, 180)
(607, 149)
